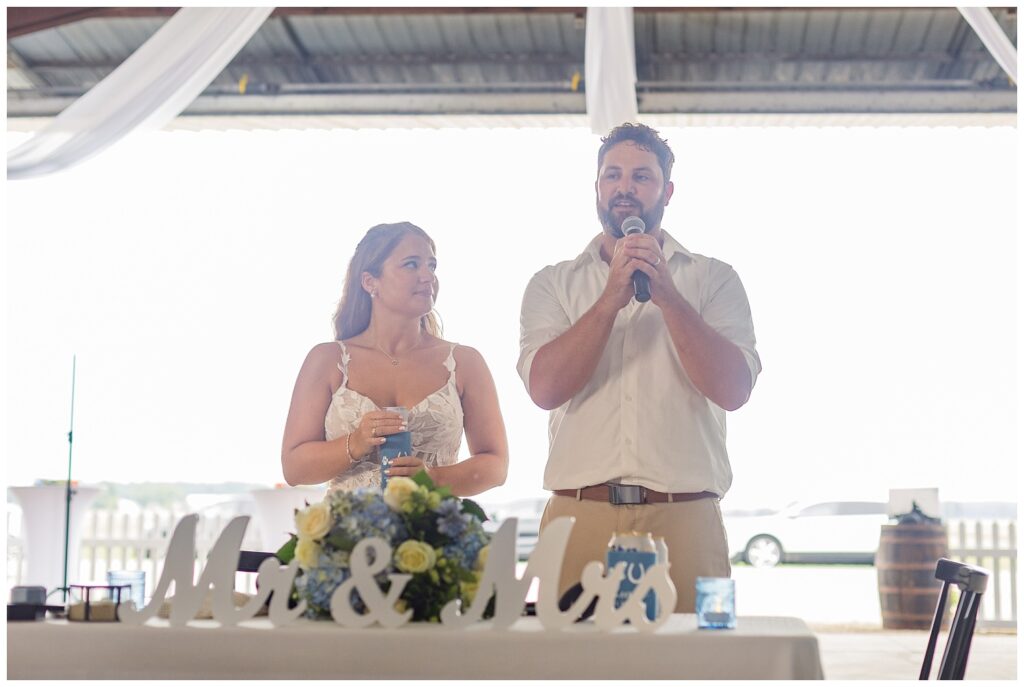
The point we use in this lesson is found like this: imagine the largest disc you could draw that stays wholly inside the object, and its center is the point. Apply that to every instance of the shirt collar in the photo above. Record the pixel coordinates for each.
(672, 247)
(592, 253)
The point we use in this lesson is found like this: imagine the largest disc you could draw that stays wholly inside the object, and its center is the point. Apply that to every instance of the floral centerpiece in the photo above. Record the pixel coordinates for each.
(434, 536)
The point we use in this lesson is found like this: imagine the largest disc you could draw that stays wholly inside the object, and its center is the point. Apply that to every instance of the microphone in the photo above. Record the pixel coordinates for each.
(641, 282)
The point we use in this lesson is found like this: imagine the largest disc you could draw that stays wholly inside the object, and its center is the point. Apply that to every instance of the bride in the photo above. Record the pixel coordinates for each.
(388, 352)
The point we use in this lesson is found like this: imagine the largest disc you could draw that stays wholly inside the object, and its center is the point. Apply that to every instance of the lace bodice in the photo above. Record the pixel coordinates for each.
(435, 422)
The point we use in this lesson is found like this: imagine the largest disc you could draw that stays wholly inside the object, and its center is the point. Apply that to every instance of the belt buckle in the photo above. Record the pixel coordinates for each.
(626, 494)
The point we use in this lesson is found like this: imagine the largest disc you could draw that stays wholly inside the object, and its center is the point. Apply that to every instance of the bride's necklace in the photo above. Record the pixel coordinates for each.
(393, 359)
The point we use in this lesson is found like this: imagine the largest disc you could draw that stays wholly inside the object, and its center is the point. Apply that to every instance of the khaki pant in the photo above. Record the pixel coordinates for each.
(693, 531)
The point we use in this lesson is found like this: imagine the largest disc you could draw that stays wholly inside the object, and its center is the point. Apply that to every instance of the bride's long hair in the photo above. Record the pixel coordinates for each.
(353, 314)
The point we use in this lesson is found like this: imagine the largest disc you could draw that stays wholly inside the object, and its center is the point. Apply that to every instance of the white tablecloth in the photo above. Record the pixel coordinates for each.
(759, 648)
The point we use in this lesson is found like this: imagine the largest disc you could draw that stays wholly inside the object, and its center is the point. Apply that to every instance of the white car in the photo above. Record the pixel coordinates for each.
(819, 532)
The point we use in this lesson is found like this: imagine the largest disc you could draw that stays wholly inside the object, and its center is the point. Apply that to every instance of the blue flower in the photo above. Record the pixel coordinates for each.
(451, 522)
(317, 585)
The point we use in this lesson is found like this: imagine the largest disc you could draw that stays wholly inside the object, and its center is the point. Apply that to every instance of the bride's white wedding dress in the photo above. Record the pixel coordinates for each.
(435, 423)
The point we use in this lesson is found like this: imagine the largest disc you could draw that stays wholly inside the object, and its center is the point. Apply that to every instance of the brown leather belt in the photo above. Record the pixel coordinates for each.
(630, 494)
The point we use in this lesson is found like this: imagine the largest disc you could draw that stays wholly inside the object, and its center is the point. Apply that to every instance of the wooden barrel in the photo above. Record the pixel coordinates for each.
(907, 588)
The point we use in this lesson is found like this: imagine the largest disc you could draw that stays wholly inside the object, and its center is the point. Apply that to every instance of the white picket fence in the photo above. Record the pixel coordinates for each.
(133, 541)
(118, 541)
(991, 544)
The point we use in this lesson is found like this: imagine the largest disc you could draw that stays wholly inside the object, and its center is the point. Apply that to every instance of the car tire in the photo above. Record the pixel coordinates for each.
(763, 551)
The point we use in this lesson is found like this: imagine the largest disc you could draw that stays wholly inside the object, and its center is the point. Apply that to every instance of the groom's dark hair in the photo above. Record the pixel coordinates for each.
(645, 138)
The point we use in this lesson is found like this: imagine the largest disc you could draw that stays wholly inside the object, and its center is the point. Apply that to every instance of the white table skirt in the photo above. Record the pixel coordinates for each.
(759, 648)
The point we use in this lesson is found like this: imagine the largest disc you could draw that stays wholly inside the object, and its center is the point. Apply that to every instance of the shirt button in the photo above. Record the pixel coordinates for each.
(628, 397)
(629, 442)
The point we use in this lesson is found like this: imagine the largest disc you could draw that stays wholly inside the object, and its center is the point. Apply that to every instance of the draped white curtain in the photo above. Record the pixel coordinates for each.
(610, 68)
(146, 91)
(993, 37)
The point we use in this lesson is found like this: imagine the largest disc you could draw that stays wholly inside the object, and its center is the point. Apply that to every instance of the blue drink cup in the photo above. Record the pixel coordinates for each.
(135, 579)
(394, 445)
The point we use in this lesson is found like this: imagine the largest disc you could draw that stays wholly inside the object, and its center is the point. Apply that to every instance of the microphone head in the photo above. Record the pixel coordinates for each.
(633, 225)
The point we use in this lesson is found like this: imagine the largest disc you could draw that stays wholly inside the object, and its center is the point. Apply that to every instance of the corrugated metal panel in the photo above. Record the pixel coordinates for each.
(808, 46)
(796, 49)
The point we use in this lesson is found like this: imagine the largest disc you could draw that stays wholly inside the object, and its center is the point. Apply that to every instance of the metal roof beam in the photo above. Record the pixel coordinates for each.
(18, 62)
(823, 101)
(866, 100)
(25, 20)
(336, 61)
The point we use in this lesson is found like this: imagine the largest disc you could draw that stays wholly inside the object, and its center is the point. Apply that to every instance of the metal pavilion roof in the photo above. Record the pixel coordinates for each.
(529, 61)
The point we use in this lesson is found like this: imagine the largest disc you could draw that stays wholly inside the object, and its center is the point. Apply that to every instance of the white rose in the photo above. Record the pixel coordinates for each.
(307, 553)
(314, 522)
(398, 491)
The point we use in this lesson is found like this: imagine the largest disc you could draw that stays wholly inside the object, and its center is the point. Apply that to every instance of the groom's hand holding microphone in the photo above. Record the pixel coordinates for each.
(637, 268)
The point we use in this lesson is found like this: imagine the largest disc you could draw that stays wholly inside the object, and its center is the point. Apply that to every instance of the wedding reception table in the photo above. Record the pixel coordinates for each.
(774, 648)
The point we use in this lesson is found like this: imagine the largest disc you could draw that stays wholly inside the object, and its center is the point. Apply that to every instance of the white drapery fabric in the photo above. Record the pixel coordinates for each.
(146, 91)
(610, 66)
(993, 37)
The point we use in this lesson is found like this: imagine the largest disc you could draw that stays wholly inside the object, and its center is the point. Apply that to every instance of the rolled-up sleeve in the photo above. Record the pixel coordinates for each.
(542, 318)
(727, 311)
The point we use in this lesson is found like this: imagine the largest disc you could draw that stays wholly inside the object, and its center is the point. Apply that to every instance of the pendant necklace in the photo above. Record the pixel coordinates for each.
(394, 360)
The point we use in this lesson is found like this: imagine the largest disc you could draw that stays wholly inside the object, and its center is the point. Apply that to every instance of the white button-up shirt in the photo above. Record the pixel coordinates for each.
(639, 419)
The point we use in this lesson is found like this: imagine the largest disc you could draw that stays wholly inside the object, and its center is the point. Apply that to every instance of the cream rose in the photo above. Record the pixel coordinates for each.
(307, 553)
(481, 557)
(398, 492)
(414, 556)
(314, 521)
(469, 590)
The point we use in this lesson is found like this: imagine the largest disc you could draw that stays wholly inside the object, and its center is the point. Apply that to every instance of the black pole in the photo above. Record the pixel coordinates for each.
(67, 486)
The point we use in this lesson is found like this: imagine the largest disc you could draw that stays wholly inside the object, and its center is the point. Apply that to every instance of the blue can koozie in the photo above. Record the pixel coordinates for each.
(639, 553)
(394, 445)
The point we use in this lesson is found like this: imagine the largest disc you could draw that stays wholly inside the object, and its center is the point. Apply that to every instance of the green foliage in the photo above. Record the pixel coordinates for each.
(474, 509)
(287, 552)
(423, 479)
(341, 540)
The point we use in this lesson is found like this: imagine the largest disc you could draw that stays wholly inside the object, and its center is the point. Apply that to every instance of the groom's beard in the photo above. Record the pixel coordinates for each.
(650, 216)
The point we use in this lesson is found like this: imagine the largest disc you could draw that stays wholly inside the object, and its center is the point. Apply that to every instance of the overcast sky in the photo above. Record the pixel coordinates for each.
(191, 272)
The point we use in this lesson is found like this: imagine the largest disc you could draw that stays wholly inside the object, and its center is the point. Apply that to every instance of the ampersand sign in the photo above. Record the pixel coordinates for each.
(380, 608)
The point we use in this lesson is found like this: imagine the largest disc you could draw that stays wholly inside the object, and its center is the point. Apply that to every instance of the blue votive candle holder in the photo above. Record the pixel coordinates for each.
(716, 603)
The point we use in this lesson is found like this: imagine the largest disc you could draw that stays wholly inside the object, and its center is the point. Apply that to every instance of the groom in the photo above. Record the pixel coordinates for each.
(638, 391)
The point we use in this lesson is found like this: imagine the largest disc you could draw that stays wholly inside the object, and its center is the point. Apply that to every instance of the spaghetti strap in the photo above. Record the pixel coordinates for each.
(449, 364)
(343, 365)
